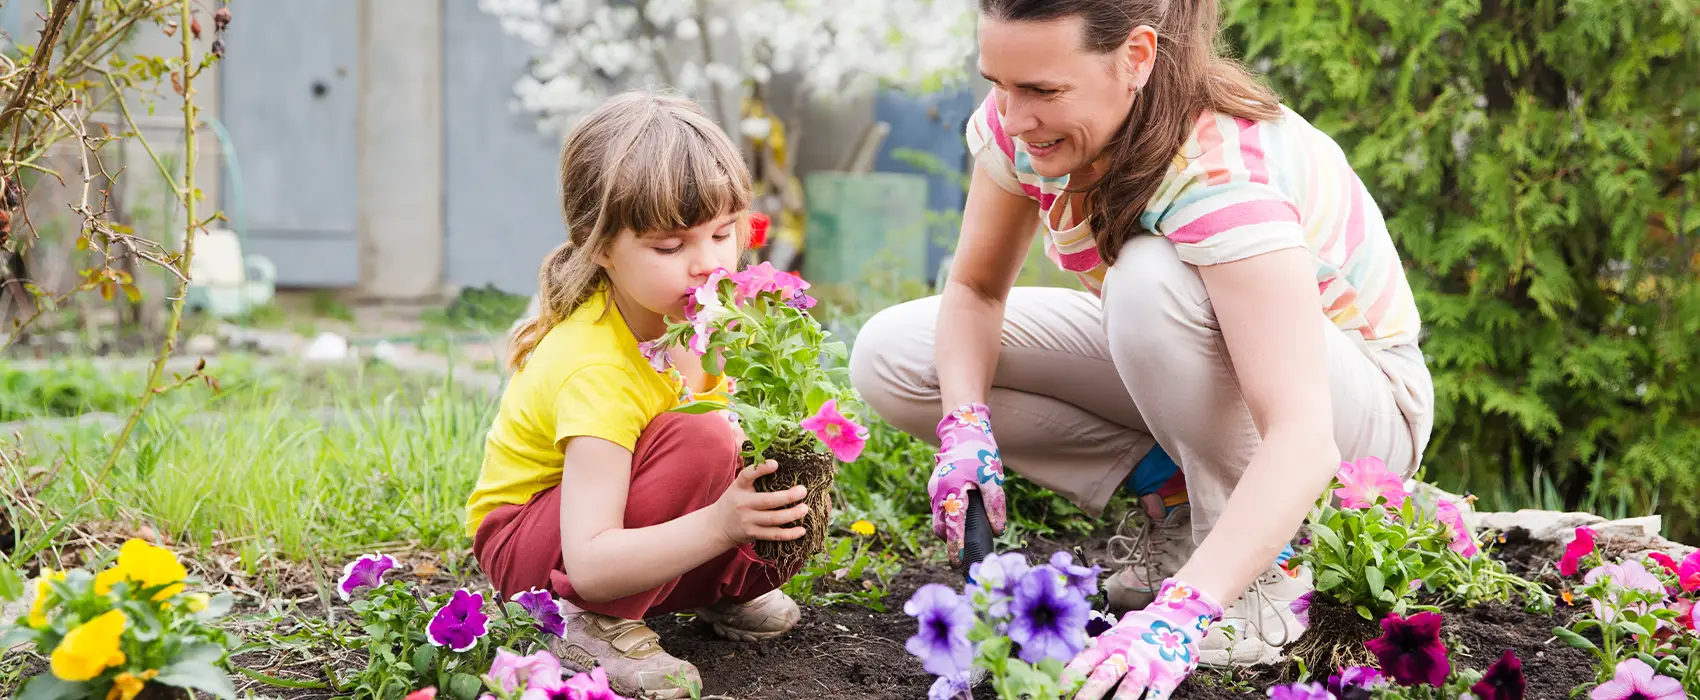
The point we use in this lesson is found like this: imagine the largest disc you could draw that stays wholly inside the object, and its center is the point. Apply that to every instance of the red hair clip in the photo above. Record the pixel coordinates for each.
(758, 229)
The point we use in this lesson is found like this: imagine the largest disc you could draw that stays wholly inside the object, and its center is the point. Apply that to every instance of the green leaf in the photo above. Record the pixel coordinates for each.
(200, 653)
(1327, 536)
(1329, 580)
(698, 407)
(47, 687)
(1377, 581)
(218, 606)
(1364, 612)
(1573, 639)
(424, 656)
(464, 686)
(13, 636)
(198, 675)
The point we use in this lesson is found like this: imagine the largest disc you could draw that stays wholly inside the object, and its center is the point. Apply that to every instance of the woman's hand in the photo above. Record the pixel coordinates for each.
(967, 459)
(746, 515)
(1148, 650)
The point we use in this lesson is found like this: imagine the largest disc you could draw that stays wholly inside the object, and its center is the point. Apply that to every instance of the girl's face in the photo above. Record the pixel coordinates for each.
(654, 272)
(1063, 100)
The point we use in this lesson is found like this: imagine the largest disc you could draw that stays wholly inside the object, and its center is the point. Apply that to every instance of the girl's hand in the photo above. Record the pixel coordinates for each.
(746, 515)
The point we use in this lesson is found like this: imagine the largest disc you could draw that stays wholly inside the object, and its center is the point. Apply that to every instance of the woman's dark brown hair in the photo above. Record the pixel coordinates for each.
(1190, 76)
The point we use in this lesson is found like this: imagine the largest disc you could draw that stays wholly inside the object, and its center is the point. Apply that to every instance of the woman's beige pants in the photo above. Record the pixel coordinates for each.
(1084, 387)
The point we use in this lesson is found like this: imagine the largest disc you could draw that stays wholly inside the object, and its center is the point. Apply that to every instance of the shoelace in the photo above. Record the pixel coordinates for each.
(1254, 614)
(1138, 549)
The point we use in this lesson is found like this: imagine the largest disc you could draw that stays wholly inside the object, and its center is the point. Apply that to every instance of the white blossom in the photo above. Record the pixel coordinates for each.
(589, 49)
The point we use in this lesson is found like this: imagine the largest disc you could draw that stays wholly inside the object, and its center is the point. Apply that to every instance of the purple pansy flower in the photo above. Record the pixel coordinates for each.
(1049, 620)
(366, 572)
(459, 623)
(1300, 608)
(942, 640)
(1300, 691)
(1355, 682)
(549, 613)
(1083, 580)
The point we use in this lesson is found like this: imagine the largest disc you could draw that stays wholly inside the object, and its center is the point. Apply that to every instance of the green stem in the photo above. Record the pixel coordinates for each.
(187, 195)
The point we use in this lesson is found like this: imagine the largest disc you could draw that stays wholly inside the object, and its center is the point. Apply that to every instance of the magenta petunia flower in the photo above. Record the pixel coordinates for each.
(551, 614)
(1300, 607)
(590, 686)
(1688, 573)
(1635, 680)
(366, 572)
(1503, 680)
(1410, 650)
(1664, 561)
(1366, 481)
(657, 356)
(460, 623)
(840, 434)
(1580, 546)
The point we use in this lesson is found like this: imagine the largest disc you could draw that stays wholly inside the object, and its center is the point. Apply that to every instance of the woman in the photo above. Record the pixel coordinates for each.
(1246, 309)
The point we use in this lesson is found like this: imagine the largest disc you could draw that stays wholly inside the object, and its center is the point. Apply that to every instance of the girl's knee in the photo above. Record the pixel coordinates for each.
(688, 448)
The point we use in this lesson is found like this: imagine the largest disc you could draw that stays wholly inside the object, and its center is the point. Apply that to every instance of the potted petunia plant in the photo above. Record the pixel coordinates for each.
(140, 628)
(788, 389)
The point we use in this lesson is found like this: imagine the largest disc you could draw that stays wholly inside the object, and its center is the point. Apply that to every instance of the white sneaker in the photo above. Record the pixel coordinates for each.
(1254, 629)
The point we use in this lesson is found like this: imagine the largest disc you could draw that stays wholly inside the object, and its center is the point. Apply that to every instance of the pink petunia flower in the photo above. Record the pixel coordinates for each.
(539, 670)
(1582, 545)
(1630, 575)
(843, 436)
(1462, 542)
(1688, 573)
(1364, 482)
(1635, 679)
(752, 281)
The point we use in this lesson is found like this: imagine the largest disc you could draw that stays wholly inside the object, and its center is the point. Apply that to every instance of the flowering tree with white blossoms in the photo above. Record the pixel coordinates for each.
(726, 53)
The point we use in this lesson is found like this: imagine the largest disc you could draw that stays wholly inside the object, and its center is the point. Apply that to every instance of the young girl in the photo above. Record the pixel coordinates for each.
(590, 488)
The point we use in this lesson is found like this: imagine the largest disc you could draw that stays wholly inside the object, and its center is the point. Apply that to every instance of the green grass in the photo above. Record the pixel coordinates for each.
(303, 465)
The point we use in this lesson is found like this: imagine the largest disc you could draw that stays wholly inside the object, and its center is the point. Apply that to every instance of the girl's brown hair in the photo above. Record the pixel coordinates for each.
(1190, 76)
(643, 162)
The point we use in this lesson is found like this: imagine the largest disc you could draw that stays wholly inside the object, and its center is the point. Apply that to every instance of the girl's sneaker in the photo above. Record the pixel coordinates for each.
(629, 652)
(766, 617)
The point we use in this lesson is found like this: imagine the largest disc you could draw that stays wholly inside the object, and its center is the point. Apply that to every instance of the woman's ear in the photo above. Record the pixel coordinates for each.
(1139, 56)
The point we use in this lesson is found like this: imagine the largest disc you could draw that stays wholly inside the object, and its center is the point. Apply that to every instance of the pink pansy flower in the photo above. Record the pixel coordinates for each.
(1636, 680)
(840, 434)
(1688, 573)
(1630, 575)
(1365, 481)
(1581, 546)
(1449, 515)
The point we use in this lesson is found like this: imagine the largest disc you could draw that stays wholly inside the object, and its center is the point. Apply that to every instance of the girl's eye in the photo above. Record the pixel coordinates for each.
(668, 250)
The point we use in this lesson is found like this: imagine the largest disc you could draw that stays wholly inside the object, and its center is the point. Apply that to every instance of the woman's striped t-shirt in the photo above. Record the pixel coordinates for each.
(1239, 188)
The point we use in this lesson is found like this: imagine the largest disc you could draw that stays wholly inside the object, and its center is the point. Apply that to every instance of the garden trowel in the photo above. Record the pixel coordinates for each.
(976, 535)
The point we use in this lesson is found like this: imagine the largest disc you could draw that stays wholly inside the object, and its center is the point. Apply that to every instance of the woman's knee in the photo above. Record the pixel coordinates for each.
(1150, 297)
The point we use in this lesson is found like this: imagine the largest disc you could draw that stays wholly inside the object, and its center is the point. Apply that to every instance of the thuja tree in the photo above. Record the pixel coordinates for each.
(1539, 165)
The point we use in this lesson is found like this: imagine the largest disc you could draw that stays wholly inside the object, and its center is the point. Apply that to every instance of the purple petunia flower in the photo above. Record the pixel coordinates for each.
(1503, 679)
(942, 640)
(1300, 691)
(366, 572)
(951, 688)
(549, 613)
(1355, 682)
(1049, 620)
(999, 573)
(458, 624)
(1410, 649)
(1083, 580)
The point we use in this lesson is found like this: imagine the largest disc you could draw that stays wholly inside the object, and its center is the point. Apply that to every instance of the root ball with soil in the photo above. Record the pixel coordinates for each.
(815, 471)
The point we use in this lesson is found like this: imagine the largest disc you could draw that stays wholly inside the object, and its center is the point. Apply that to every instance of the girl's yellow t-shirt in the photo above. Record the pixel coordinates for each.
(586, 378)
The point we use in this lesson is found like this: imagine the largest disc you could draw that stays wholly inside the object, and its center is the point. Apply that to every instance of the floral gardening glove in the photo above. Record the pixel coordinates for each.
(967, 459)
(1149, 651)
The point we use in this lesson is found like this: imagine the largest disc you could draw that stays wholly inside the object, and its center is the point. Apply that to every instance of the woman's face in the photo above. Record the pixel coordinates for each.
(1061, 99)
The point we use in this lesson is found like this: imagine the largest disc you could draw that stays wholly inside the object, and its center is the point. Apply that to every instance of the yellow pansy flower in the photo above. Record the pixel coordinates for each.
(862, 527)
(197, 602)
(38, 609)
(128, 685)
(90, 648)
(146, 565)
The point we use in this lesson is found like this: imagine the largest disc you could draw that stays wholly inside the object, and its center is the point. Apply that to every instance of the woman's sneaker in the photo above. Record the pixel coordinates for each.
(1147, 557)
(766, 617)
(1256, 628)
(629, 652)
